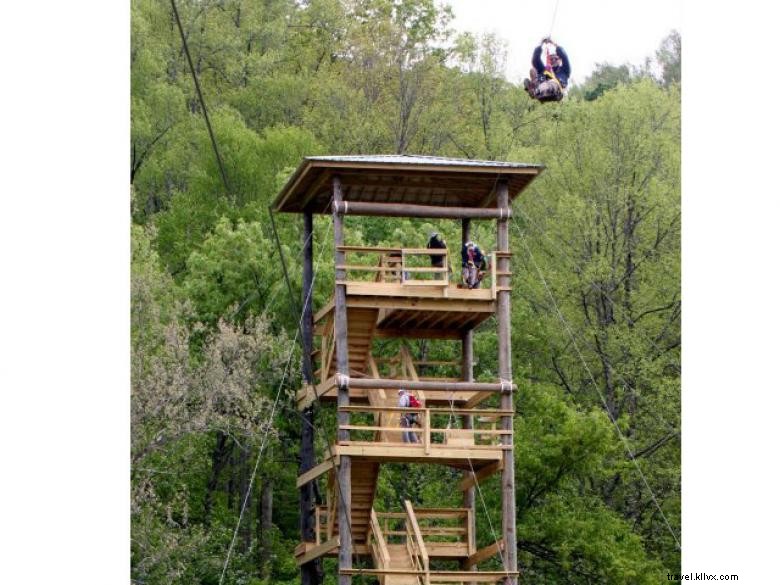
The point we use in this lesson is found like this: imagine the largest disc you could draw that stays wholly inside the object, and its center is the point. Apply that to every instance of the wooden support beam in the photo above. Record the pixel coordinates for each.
(471, 479)
(386, 383)
(409, 210)
(395, 332)
(317, 551)
(324, 310)
(310, 572)
(416, 452)
(342, 367)
(503, 316)
(345, 517)
(315, 472)
(467, 373)
(478, 398)
(438, 576)
(415, 303)
(486, 552)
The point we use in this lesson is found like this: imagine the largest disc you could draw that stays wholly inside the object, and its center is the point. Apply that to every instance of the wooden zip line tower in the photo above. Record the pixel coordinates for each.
(395, 292)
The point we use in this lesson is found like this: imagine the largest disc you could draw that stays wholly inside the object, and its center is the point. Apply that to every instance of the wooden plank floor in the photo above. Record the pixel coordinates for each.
(461, 458)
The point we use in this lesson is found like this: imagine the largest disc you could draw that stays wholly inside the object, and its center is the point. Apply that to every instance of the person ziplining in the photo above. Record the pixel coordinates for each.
(547, 82)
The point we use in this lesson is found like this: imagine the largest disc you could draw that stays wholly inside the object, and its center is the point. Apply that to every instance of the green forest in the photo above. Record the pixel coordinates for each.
(596, 301)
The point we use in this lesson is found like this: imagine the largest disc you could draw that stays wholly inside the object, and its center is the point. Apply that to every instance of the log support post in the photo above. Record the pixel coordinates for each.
(503, 314)
(467, 374)
(342, 373)
(311, 572)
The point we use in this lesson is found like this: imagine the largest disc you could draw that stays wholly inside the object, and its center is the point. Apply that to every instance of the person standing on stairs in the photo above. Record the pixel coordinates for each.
(407, 419)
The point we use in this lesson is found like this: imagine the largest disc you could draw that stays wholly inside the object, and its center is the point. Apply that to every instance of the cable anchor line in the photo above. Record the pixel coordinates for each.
(200, 99)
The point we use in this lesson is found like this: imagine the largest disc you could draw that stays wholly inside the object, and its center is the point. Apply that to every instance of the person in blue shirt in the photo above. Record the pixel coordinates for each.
(547, 82)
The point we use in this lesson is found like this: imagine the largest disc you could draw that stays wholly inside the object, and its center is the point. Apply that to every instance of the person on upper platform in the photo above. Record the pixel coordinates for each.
(474, 264)
(435, 242)
(547, 82)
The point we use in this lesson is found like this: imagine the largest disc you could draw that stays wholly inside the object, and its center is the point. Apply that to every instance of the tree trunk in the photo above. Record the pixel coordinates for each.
(266, 525)
(219, 458)
(245, 529)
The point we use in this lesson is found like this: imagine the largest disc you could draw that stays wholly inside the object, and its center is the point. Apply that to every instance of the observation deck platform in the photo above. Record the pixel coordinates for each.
(406, 294)
(414, 292)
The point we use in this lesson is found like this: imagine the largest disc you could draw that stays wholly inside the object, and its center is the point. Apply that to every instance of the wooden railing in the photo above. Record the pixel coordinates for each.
(484, 435)
(403, 366)
(437, 525)
(410, 266)
(400, 265)
(416, 546)
(449, 526)
(377, 543)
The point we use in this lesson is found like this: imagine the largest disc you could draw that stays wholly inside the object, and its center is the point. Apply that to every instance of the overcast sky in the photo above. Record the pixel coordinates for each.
(591, 31)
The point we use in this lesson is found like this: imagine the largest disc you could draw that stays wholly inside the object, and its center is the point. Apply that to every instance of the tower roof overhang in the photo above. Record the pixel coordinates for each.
(401, 179)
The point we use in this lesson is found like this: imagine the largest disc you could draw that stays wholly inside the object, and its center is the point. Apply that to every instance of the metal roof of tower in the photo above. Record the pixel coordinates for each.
(402, 179)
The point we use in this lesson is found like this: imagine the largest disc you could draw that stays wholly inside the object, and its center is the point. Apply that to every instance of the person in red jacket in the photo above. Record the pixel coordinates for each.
(408, 420)
(548, 81)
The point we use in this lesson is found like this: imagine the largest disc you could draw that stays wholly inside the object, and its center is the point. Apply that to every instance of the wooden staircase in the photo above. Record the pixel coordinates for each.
(410, 556)
(361, 325)
(364, 481)
(400, 559)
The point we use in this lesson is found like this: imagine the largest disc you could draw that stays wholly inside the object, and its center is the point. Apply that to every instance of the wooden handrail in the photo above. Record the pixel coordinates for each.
(367, 249)
(393, 383)
(415, 528)
(392, 265)
(434, 410)
(382, 249)
(376, 530)
(434, 430)
(368, 268)
(458, 577)
(427, 513)
(425, 251)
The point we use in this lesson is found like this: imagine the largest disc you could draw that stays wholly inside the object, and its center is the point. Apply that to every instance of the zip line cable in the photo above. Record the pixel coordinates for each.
(295, 308)
(552, 24)
(601, 395)
(200, 98)
(268, 303)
